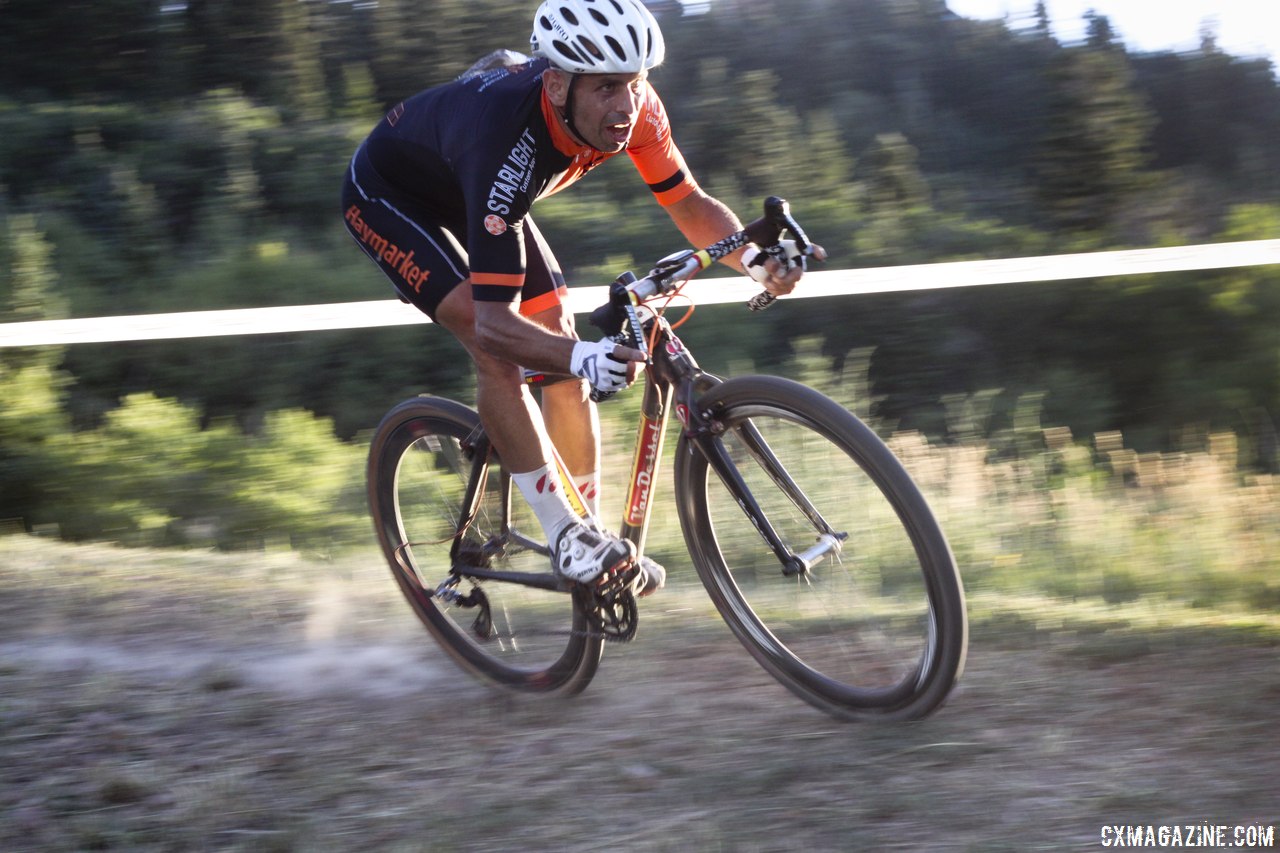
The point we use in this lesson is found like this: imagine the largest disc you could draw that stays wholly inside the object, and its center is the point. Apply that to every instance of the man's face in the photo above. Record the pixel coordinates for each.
(605, 106)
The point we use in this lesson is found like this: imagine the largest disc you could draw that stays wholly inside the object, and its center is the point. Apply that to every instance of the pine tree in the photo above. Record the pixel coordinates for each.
(305, 92)
(1093, 155)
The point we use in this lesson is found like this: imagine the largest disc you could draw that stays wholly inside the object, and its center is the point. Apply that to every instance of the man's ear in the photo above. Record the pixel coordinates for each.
(556, 84)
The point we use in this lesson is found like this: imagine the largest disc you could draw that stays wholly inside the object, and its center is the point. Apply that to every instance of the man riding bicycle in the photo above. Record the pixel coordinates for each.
(438, 195)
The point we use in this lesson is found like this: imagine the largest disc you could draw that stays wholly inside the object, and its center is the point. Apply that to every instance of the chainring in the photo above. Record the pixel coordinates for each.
(610, 604)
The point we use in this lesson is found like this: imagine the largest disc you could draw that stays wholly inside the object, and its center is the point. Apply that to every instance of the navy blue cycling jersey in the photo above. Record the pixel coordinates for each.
(475, 154)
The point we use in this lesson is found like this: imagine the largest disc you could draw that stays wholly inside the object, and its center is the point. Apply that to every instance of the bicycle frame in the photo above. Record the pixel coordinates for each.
(673, 381)
(674, 374)
(673, 378)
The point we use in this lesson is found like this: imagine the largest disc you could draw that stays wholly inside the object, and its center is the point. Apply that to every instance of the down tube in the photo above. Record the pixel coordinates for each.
(654, 410)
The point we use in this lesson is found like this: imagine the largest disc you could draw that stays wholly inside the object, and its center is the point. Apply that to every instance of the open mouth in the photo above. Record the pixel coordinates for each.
(619, 132)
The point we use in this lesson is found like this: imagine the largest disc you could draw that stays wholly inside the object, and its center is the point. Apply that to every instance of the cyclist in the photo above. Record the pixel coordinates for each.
(438, 195)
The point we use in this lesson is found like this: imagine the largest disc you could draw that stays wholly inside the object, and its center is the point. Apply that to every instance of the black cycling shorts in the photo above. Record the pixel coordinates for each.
(421, 253)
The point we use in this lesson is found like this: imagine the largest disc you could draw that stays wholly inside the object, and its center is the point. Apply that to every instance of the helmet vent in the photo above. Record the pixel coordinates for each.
(567, 52)
(590, 47)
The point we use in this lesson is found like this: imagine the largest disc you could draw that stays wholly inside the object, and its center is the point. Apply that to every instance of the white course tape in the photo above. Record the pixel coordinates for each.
(363, 315)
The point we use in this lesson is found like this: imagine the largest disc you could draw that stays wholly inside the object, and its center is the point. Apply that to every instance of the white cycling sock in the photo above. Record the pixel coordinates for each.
(589, 487)
(545, 494)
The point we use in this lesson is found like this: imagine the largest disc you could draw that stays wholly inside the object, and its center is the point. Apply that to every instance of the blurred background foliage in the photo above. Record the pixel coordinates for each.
(162, 156)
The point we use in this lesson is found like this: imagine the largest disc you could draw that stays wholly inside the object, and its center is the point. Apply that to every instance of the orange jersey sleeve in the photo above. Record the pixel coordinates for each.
(655, 153)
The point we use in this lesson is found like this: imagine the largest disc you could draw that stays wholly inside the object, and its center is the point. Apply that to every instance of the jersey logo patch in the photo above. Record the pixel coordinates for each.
(495, 224)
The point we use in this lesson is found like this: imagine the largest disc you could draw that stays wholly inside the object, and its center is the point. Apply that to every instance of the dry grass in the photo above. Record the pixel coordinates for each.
(1125, 614)
(190, 701)
(1125, 611)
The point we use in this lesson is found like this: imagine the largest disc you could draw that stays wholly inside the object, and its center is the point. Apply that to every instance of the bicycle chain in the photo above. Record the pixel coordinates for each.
(609, 605)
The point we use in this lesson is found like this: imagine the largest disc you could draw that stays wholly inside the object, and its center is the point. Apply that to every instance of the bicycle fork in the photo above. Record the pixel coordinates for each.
(673, 368)
(709, 442)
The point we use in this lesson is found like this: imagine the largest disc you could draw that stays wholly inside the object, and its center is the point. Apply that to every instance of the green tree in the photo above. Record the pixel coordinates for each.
(413, 50)
(186, 155)
(232, 44)
(1043, 29)
(1093, 158)
(895, 193)
(78, 47)
(31, 417)
(1099, 34)
(305, 92)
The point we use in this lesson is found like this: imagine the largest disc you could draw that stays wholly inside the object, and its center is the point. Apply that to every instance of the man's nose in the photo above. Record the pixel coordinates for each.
(629, 102)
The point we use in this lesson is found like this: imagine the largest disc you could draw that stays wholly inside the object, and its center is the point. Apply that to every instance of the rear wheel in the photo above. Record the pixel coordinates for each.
(440, 500)
(876, 627)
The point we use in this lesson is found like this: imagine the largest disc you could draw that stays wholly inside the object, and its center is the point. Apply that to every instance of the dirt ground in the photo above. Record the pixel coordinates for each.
(155, 701)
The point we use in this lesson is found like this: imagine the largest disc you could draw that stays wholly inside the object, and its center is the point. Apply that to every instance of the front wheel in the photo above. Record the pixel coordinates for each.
(822, 555)
(441, 503)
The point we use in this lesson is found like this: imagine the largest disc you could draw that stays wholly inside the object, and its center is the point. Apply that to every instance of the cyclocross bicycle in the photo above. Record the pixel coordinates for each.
(814, 543)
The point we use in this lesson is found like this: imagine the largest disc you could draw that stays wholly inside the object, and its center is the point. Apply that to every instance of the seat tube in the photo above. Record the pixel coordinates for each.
(475, 489)
(655, 408)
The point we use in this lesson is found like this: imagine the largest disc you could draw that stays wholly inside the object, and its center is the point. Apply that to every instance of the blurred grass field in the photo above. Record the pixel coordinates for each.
(1125, 616)
(1122, 670)
(162, 700)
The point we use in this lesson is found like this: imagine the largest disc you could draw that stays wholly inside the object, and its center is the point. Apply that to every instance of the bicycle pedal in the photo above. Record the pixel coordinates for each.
(634, 578)
(624, 575)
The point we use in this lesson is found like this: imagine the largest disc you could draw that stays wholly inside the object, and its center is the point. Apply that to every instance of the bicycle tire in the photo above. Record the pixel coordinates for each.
(878, 631)
(534, 640)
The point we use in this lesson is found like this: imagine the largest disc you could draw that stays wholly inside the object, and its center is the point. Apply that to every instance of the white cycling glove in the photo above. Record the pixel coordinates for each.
(596, 363)
(786, 253)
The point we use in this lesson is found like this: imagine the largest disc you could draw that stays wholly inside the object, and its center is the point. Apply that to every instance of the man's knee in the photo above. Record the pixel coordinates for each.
(457, 313)
(568, 392)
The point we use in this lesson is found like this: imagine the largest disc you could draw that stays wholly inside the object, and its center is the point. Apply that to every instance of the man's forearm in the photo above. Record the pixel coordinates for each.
(703, 220)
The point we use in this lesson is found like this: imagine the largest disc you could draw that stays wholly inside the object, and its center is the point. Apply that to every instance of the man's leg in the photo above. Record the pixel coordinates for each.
(573, 424)
(571, 419)
(516, 428)
(510, 416)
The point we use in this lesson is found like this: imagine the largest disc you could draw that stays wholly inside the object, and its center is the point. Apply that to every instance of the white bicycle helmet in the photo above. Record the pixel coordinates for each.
(597, 36)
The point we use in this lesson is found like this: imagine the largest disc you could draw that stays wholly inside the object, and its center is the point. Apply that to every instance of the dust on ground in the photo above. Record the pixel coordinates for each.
(153, 701)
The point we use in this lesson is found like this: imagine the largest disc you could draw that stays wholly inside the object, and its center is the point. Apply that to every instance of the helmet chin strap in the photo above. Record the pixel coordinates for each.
(568, 114)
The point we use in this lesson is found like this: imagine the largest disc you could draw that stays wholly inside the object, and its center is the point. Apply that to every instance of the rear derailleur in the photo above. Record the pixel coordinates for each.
(482, 627)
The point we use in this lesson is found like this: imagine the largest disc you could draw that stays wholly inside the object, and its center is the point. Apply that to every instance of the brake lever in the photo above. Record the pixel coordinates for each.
(618, 318)
(768, 231)
(636, 328)
(780, 212)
